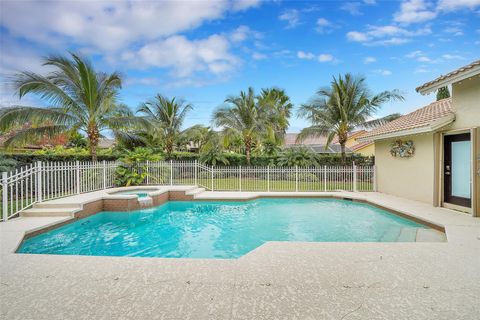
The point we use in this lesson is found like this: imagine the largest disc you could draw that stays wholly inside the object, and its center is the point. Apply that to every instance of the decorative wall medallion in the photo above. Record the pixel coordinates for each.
(402, 149)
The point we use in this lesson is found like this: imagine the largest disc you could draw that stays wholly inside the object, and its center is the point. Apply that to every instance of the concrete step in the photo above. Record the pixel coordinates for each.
(194, 191)
(54, 205)
(49, 212)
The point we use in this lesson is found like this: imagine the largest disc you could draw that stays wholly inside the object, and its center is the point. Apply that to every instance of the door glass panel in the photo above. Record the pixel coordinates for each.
(461, 170)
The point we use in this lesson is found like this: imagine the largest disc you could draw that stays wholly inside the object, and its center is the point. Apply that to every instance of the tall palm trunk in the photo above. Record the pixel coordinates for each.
(169, 146)
(342, 140)
(248, 148)
(93, 138)
(344, 156)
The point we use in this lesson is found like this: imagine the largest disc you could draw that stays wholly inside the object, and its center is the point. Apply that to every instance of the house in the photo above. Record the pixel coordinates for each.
(365, 148)
(433, 154)
(315, 144)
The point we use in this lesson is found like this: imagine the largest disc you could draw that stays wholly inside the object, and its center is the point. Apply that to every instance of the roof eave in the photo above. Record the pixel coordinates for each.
(431, 127)
(447, 81)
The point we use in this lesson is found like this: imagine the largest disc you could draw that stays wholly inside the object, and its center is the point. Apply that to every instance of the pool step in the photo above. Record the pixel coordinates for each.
(50, 205)
(49, 212)
(194, 192)
(430, 235)
(407, 235)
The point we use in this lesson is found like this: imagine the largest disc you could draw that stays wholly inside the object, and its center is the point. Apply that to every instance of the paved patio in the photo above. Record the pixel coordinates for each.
(279, 280)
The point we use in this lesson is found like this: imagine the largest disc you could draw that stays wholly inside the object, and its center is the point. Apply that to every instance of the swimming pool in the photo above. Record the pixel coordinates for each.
(195, 229)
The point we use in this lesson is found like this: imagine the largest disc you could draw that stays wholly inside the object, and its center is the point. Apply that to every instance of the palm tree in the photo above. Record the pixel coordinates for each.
(80, 99)
(242, 115)
(297, 156)
(198, 135)
(338, 109)
(279, 109)
(165, 117)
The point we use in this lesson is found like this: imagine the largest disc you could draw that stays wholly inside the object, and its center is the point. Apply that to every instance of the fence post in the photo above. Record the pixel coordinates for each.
(268, 178)
(240, 177)
(39, 182)
(296, 178)
(77, 175)
(171, 172)
(212, 178)
(325, 178)
(196, 173)
(4, 196)
(354, 177)
(374, 178)
(148, 171)
(104, 175)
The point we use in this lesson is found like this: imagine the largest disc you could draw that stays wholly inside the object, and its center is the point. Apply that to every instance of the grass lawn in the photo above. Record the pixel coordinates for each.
(233, 184)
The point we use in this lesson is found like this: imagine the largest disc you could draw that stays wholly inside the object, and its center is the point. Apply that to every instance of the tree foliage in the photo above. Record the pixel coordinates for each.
(80, 99)
(338, 109)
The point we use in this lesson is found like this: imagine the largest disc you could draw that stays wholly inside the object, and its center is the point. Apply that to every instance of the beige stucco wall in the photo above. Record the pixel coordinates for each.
(367, 151)
(466, 102)
(411, 178)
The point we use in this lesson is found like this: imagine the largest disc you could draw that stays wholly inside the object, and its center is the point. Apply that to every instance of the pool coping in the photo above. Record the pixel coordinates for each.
(375, 199)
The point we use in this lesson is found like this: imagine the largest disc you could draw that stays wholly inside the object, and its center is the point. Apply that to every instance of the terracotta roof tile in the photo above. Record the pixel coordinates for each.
(419, 118)
(361, 145)
(290, 139)
(450, 74)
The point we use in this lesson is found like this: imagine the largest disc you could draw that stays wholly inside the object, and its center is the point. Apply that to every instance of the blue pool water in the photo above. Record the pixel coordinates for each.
(189, 229)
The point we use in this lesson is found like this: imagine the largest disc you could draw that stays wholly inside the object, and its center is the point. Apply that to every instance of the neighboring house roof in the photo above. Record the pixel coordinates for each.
(361, 145)
(427, 119)
(320, 148)
(459, 74)
(291, 139)
(105, 143)
(352, 135)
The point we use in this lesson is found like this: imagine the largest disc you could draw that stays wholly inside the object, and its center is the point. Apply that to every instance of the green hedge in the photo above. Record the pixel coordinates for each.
(234, 159)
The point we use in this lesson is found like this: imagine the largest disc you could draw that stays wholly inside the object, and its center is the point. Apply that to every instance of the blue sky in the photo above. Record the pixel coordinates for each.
(205, 50)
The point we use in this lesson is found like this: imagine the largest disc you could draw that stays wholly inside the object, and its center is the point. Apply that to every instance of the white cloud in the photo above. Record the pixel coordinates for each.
(424, 59)
(415, 54)
(259, 56)
(240, 5)
(456, 31)
(452, 5)
(415, 11)
(352, 7)
(420, 56)
(325, 57)
(386, 35)
(185, 57)
(305, 55)
(145, 81)
(370, 2)
(368, 60)
(109, 25)
(357, 36)
(323, 25)
(240, 34)
(452, 57)
(291, 16)
(383, 72)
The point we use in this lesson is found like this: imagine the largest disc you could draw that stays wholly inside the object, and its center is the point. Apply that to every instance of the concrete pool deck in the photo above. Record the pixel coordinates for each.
(278, 280)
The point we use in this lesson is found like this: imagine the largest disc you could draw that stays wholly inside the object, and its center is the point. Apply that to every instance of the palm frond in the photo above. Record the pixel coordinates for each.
(20, 115)
(30, 135)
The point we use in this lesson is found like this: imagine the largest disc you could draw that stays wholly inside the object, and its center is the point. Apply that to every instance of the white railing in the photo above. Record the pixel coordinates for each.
(22, 188)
